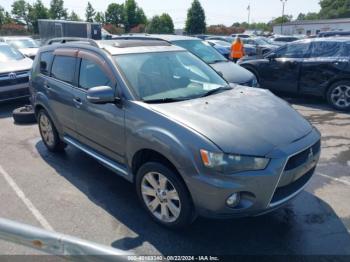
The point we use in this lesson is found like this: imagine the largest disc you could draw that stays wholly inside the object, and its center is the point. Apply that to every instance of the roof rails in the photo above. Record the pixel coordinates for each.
(63, 40)
(135, 37)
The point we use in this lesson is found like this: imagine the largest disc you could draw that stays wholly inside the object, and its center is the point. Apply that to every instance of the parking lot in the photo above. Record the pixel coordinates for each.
(73, 194)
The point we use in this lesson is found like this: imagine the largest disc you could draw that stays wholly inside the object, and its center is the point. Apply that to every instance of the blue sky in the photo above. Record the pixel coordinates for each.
(217, 11)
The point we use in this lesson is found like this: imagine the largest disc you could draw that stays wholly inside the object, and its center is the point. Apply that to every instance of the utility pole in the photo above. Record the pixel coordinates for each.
(248, 8)
(283, 4)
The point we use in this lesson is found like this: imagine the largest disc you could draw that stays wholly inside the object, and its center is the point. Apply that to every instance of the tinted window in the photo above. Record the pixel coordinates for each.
(63, 68)
(326, 49)
(91, 75)
(293, 51)
(45, 62)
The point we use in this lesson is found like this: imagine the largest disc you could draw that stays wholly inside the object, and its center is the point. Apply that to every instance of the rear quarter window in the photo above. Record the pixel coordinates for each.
(63, 68)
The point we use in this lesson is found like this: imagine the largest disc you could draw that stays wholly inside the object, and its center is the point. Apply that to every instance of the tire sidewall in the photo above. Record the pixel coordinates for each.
(187, 210)
(329, 92)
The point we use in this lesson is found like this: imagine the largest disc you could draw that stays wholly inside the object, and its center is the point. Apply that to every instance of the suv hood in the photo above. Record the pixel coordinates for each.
(244, 121)
(232, 72)
(30, 52)
(16, 65)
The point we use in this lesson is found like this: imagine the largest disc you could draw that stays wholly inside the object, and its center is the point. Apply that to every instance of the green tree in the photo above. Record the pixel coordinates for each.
(308, 16)
(167, 24)
(2, 16)
(195, 23)
(154, 26)
(73, 16)
(280, 20)
(115, 14)
(37, 11)
(20, 10)
(133, 15)
(100, 17)
(334, 9)
(90, 13)
(57, 10)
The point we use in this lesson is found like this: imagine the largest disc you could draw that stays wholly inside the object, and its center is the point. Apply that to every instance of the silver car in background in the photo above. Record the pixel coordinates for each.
(14, 73)
(26, 45)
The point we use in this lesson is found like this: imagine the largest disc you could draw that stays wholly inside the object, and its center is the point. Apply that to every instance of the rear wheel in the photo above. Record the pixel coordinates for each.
(164, 195)
(338, 95)
(49, 133)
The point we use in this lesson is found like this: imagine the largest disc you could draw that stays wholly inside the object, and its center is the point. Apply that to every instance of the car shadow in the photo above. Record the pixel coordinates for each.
(307, 225)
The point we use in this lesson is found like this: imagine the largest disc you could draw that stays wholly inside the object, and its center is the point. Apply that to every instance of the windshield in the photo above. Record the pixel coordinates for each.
(168, 75)
(201, 49)
(23, 43)
(261, 41)
(8, 53)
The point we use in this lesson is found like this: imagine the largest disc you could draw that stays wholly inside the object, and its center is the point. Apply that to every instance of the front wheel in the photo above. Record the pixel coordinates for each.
(338, 95)
(164, 195)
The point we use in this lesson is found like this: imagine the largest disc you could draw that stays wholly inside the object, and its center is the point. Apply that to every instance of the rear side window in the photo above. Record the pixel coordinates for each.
(63, 68)
(92, 75)
(326, 49)
(45, 62)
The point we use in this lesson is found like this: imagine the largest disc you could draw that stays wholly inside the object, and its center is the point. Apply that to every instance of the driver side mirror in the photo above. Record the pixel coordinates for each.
(271, 56)
(101, 95)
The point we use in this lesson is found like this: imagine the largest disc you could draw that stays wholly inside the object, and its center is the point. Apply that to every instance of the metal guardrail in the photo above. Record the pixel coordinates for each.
(58, 244)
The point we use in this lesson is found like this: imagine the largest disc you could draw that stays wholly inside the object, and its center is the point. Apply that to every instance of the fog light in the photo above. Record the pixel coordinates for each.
(233, 200)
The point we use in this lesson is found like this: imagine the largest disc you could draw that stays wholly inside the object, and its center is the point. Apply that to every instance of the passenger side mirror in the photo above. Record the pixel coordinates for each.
(101, 95)
(43, 66)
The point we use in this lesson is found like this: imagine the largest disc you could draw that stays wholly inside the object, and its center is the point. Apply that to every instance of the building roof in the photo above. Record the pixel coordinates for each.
(315, 22)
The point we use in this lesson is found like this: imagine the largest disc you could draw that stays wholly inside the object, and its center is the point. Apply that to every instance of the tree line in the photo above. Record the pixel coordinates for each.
(118, 18)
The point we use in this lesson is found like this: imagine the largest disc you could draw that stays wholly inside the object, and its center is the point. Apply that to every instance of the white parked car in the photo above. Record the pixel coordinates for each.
(26, 45)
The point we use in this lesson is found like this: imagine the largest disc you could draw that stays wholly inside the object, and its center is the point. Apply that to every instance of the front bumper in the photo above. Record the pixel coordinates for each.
(290, 169)
(10, 92)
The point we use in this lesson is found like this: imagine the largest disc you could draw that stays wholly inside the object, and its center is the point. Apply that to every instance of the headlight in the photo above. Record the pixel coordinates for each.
(254, 82)
(228, 164)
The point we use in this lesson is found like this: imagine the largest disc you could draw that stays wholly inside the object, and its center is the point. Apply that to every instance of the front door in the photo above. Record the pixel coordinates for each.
(281, 72)
(100, 126)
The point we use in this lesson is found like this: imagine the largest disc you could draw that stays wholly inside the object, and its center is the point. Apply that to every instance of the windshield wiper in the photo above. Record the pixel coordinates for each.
(217, 61)
(214, 91)
(163, 100)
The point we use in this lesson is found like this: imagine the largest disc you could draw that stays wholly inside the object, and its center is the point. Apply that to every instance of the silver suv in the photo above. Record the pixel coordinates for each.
(14, 73)
(166, 121)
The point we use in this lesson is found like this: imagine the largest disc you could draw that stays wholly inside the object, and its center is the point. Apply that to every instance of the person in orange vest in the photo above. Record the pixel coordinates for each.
(237, 50)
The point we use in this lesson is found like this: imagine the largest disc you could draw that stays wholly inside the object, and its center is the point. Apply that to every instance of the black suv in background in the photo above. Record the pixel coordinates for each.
(314, 66)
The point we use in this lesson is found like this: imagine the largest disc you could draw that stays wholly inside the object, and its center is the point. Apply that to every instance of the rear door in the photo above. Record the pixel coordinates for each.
(100, 126)
(59, 88)
(327, 61)
(282, 72)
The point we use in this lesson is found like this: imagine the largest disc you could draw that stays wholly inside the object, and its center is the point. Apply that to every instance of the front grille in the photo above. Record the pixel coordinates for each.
(303, 157)
(285, 191)
(9, 82)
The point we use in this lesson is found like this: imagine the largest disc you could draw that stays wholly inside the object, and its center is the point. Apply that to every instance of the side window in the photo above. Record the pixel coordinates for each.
(293, 51)
(63, 68)
(326, 49)
(45, 62)
(92, 75)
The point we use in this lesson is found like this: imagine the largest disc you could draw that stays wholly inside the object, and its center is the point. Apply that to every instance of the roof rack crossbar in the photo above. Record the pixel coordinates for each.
(63, 40)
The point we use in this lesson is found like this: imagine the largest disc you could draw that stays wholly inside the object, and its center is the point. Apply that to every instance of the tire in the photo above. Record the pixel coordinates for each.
(24, 115)
(338, 95)
(49, 133)
(185, 214)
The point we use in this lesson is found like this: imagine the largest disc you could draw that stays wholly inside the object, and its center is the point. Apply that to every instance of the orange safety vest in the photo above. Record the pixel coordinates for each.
(237, 50)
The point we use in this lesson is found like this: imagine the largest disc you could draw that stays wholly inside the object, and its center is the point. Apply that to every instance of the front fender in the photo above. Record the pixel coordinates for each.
(166, 144)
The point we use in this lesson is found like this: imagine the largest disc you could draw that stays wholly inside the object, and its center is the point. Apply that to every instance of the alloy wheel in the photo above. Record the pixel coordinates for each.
(160, 197)
(340, 96)
(46, 130)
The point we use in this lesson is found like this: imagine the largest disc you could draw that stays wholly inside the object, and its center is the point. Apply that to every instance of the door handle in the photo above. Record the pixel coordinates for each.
(46, 86)
(78, 101)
